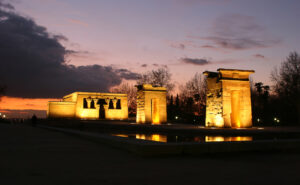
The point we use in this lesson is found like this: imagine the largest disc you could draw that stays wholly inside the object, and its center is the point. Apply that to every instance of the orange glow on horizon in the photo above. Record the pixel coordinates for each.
(12, 103)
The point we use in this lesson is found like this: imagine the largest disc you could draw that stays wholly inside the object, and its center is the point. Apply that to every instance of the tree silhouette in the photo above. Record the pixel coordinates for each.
(259, 87)
(287, 87)
(160, 77)
(193, 93)
(130, 90)
(2, 91)
(177, 101)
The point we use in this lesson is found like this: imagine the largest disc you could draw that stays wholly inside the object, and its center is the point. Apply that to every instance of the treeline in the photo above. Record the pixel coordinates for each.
(278, 104)
(2, 90)
(187, 106)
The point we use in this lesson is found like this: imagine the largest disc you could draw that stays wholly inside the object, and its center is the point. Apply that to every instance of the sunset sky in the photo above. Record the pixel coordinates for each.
(50, 48)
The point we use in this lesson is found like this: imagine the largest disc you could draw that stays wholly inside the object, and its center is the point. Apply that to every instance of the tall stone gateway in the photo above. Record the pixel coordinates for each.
(151, 104)
(228, 98)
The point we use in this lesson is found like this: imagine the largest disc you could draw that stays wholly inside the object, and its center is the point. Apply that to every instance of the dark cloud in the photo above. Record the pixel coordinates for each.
(259, 56)
(238, 43)
(239, 32)
(144, 65)
(182, 45)
(33, 62)
(160, 65)
(208, 46)
(126, 74)
(193, 2)
(195, 61)
(177, 45)
(4, 5)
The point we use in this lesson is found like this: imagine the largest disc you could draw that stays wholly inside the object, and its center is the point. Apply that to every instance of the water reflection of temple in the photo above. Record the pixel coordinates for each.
(183, 138)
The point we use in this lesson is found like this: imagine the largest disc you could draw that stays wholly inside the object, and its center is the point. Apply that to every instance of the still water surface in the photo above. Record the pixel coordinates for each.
(172, 138)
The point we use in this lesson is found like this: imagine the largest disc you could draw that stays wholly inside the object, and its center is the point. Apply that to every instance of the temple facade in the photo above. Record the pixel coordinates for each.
(151, 104)
(89, 105)
(228, 98)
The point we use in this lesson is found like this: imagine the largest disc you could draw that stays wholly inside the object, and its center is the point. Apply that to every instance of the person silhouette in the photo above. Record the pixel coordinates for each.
(33, 120)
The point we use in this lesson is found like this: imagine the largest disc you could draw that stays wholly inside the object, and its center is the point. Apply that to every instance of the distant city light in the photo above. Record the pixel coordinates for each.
(176, 117)
(276, 120)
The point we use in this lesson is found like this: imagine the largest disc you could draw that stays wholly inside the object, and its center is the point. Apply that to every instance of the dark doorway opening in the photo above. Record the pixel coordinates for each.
(110, 105)
(118, 104)
(101, 102)
(85, 105)
(93, 104)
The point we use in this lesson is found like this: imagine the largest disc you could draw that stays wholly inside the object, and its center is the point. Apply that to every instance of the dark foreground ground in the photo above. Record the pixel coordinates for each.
(37, 156)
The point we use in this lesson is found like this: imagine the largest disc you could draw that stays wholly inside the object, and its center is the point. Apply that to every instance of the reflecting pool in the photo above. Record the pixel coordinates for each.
(173, 138)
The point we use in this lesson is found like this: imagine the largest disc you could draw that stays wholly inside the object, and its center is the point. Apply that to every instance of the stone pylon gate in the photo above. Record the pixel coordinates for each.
(151, 104)
(228, 98)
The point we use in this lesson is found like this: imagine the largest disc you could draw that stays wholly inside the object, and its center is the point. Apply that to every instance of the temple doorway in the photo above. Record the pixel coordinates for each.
(235, 109)
(155, 111)
(101, 103)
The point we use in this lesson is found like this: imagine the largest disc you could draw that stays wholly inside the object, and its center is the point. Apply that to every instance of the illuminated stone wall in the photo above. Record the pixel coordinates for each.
(86, 105)
(151, 104)
(61, 109)
(228, 98)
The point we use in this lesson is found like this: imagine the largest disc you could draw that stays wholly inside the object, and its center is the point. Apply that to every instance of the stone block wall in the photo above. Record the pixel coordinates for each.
(151, 104)
(228, 102)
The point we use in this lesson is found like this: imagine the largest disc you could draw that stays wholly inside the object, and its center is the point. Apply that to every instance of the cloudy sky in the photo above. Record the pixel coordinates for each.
(53, 47)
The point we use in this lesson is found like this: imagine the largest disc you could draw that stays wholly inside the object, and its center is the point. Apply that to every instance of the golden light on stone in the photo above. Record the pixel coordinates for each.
(151, 104)
(155, 111)
(159, 138)
(219, 120)
(228, 98)
(152, 137)
(227, 138)
(89, 105)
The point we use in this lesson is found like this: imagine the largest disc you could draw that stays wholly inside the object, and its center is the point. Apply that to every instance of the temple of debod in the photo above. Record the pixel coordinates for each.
(228, 98)
(89, 105)
(151, 104)
(228, 102)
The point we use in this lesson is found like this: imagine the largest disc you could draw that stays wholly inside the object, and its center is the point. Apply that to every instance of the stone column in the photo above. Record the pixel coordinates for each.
(88, 100)
(107, 104)
(107, 101)
(96, 105)
(115, 102)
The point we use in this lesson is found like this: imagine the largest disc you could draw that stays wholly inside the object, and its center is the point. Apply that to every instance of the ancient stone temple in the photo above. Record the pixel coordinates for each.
(228, 98)
(88, 105)
(151, 104)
